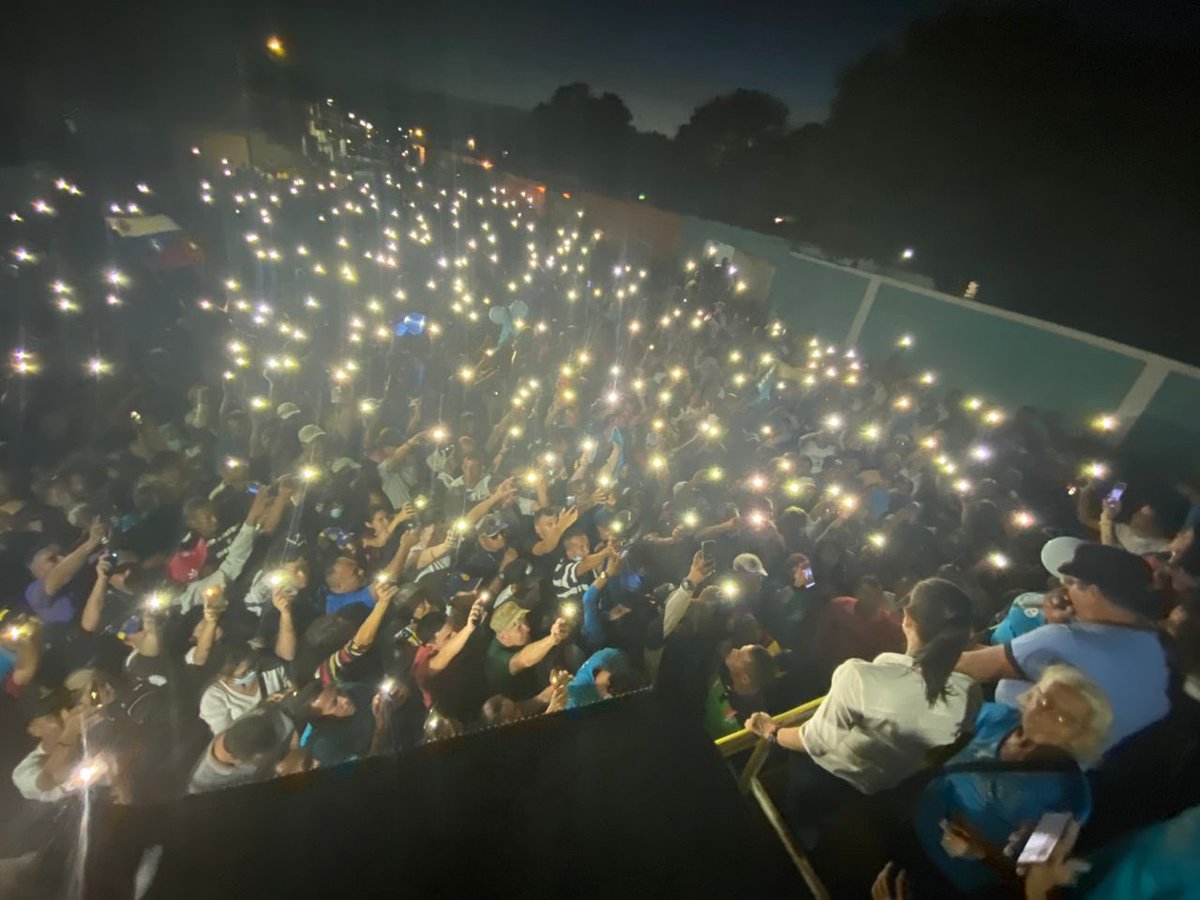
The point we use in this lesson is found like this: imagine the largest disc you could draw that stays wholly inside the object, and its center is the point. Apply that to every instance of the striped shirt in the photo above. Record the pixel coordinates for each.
(332, 670)
(568, 582)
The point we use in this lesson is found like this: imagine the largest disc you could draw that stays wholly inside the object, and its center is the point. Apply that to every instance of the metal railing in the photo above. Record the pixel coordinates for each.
(749, 784)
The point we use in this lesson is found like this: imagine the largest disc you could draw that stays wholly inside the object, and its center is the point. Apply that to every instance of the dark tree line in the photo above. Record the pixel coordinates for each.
(1056, 168)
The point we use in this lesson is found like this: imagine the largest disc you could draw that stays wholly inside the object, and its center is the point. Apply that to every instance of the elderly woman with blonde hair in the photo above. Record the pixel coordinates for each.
(1019, 765)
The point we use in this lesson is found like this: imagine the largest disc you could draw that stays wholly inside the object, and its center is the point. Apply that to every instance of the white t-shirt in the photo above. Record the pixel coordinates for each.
(1135, 543)
(221, 705)
(875, 726)
(26, 773)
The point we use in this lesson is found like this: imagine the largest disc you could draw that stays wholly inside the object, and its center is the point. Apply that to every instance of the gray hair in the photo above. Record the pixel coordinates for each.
(1090, 743)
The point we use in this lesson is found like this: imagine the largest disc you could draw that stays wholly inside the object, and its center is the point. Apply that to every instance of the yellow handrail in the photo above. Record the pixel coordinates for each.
(748, 784)
(732, 744)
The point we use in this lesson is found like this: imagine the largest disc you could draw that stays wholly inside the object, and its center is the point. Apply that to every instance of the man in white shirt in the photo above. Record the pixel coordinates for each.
(48, 772)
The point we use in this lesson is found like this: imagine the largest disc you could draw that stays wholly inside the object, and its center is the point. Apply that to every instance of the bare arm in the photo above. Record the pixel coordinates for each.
(454, 646)
(593, 562)
(562, 522)
(393, 569)
(719, 529)
(505, 492)
(29, 657)
(401, 453)
(532, 654)
(269, 517)
(68, 567)
(94, 607)
(285, 636)
(987, 665)
(206, 637)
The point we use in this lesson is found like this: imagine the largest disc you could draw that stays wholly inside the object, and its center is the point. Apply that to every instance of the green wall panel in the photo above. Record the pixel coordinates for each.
(1006, 361)
(1167, 434)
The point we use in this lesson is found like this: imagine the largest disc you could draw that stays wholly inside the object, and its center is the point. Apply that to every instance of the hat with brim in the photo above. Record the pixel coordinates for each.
(1124, 578)
(309, 433)
(750, 564)
(1057, 551)
(508, 616)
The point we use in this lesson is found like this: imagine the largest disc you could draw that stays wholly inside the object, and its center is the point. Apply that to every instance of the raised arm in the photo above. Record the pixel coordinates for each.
(94, 607)
(401, 453)
(454, 646)
(330, 671)
(562, 522)
(285, 636)
(400, 559)
(70, 565)
(532, 654)
(506, 490)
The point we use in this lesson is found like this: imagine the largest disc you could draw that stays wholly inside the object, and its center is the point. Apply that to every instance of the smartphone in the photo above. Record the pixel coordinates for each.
(253, 488)
(1049, 831)
(571, 500)
(809, 581)
(1115, 495)
(708, 549)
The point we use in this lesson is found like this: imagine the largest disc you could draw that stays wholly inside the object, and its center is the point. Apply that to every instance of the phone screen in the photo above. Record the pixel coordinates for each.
(1049, 831)
(809, 581)
(1115, 495)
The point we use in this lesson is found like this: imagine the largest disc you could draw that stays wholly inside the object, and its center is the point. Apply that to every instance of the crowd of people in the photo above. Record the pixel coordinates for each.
(427, 460)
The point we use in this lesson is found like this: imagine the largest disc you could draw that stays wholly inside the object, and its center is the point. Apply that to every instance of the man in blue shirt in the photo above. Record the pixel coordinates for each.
(346, 582)
(1112, 640)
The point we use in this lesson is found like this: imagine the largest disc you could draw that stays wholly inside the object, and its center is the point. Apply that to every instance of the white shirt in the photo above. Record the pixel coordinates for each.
(221, 705)
(875, 726)
(1133, 542)
(25, 777)
(477, 494)
(675, 609)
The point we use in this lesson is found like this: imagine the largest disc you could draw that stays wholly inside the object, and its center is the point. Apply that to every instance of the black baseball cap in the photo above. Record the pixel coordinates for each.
(1123, 577)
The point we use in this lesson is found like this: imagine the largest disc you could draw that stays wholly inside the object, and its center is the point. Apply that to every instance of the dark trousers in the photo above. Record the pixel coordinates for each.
(814, 798)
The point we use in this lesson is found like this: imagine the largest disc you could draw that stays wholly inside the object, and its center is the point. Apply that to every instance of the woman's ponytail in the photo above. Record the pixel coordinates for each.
(942, 614)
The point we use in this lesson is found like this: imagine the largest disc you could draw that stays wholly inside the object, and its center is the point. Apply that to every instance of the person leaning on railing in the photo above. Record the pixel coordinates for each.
(881, 718)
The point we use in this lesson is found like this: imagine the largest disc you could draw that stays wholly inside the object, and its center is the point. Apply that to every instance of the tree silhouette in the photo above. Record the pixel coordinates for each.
(580, 132)
(727, 128)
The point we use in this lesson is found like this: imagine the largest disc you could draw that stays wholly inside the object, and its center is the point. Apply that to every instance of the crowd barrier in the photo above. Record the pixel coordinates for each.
(749, 784)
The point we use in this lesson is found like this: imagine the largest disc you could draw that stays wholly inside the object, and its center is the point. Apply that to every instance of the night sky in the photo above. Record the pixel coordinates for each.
(662, 57)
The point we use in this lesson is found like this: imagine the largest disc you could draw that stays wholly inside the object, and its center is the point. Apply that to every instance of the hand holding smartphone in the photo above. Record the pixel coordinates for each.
(1041, 844)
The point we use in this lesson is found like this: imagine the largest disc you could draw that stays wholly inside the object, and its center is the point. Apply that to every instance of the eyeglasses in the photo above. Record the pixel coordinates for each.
(1042, 702)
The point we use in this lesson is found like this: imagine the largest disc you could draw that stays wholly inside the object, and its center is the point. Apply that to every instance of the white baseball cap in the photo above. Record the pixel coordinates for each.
(309, 433)
(749, 563)
(1059, 551)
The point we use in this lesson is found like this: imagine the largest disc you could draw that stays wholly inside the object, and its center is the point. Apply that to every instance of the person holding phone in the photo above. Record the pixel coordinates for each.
(1143, 534)
(1037, 752)
(1112, 639)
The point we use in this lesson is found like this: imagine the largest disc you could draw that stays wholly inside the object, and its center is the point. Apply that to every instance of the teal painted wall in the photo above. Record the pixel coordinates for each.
(806, 295)
(1167, 434)
(817, 299)
(1008, 362)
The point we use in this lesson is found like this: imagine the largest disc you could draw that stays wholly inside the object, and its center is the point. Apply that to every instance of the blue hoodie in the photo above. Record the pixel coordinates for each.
(582, 689)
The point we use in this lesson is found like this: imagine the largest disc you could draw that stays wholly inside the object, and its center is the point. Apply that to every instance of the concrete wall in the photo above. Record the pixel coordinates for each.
(1008, 358)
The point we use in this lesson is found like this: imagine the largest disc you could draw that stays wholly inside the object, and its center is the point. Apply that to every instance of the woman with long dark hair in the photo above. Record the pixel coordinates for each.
(881, 718)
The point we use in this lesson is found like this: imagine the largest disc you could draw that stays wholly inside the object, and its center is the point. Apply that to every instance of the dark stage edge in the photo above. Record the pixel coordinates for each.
(616, 800)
